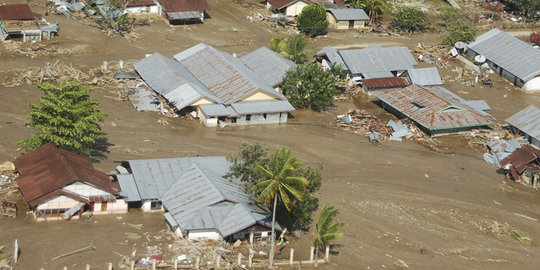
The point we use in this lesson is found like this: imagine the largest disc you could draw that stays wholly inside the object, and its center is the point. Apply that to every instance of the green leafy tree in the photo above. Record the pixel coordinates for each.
(292, 48)
(244, 168)
(312, 20)
(280, 185)
(66, 116)
(326, 229)
(448, 14)
(410, 20)
(374, 8)
(459, 31)
(529, 8)
(310, 86)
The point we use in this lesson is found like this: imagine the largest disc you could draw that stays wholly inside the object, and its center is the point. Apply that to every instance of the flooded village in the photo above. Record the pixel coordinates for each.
(279, 134)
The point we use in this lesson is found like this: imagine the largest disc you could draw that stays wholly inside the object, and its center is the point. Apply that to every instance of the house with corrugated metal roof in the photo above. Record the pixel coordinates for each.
(142, 7)
(219, 87)
(198, 202)
(59, 184)
(434, 109)
(182, 11)
(527, 122)
(523, 165)
(18, 21)
(347, 18)
(511, 58)
(287, 7)
(423, 76)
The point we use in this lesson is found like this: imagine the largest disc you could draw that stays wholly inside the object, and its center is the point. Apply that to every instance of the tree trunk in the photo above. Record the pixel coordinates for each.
(271, 265)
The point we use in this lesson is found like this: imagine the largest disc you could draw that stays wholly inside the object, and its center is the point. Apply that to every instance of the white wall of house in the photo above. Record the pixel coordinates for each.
(295, 9)
(260, 96)
(208, 121)
(143, 9)
(85, 189)
(147, 206)
(118, 207)
(59, 202)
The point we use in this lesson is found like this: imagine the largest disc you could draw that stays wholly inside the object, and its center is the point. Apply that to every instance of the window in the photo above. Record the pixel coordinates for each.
(155, 205)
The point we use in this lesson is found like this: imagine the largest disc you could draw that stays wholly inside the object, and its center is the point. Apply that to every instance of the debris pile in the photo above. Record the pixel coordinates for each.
(8, 186)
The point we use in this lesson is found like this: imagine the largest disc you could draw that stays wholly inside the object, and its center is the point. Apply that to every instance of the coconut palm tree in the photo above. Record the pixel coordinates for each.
(280, 184)
(326, 228)
(373, 7)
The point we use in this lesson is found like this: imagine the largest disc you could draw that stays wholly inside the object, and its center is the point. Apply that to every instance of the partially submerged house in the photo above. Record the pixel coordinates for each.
(527, 122)
(18, 21)
(347, 18)
(287, 7)
(198, 202)
(509, 57)
(182, 11)
(373, 61)
(142, 7)
(523, 165)
(59, 184)
(433, 108)
(221, 88)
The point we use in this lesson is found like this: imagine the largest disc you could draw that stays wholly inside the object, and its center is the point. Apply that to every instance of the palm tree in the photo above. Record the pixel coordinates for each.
(296, 46)
(373, 7)
(280, 184)
(327, 229)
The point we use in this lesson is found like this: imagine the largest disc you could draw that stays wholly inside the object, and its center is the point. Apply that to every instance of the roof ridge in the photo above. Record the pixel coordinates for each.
(62, 157)
(223, 197)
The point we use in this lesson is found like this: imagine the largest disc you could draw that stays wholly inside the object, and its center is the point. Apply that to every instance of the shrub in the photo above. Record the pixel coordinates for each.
(410, 19)
(459, 31)
(312, 20)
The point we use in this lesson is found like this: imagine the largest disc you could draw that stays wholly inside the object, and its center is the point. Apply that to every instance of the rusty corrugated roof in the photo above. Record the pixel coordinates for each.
(433, 107)
(381, 83)
(138, 3)
(49, 168)
(16, 12)
(184, 5)
(522, 158)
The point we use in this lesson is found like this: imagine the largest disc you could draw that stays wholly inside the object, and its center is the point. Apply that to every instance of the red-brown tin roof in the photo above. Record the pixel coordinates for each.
(138, 3)
(381, 83)
(16, 12)
(183, 5)
(522, 158)
(50, 168)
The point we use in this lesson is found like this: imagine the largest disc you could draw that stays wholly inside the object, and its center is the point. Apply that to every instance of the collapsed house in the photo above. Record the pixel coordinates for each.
(527, 122)
(347, 18)
(198, 202)
(18, 21)
(523, 165)
(511, 58)
(433, 108)
(219, 87)
(182, 11)
(59, 184)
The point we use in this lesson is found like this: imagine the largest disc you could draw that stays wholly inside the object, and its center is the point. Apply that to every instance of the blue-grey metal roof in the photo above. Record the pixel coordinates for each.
(333, 56)
(377, 74)
(349, 14)
(270, 65)
(226, 76)
(170, 219)
(508, 52)
(184, 15)
(425, 76)
(479, 105)
(375, 59)
(153, 177)
(262, 106)
(172, 80)
(128, 187)
(527, 120)
(144, 100)
(214, 110)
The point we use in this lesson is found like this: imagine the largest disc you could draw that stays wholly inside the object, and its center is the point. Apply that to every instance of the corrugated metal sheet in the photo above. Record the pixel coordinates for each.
(508, 52)
(214, 110)
(527, 120)
(49, 168)
(154, 176)
(433, 107)
(140, 3)
(522, 158)
(349, 14)
(144, 100)
(183, 5)
(262, 106)
(376, 59)
(479, 105)
(128, 188)
(425, 76)
(226, 76)
(379, 83)
(185, 15)
(172, 80)
(378, 74)
(16, 12)
(333, 56)
(270, 65)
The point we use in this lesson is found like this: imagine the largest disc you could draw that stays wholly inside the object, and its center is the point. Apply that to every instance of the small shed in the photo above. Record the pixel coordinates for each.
(182, 11)
(347, 18)
(142, 7)
(523, 165)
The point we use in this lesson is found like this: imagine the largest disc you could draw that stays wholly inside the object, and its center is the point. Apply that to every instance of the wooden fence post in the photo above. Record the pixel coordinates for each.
(218, 262)
(239, 262)
(250, 260)
(154, 265)
(110, 266)
(327, 254)
(132, 265)
(197, 262)
(65, 268)
(291, 257)
(87, 267)
(175, 264)
(311, 251)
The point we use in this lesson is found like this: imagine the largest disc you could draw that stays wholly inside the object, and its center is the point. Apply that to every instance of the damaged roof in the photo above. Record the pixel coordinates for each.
(223, 74)
(349, 14)
(433, 107)
(508, 52)
(16, 12)
(49, 168)
(270, 65)
(382, 83)
(523, 158)
(333, 56)
(527, 120)
(183, 5)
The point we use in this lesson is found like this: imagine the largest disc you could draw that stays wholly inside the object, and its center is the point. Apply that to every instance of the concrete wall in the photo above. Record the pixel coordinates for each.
(343, 25)
(54, 206)
(499, 70)
(260, 96)
(203, 235)
(85, 190)
(143, 9)
(147, 207)
(295, 9)
(117, 207)
(209, 122)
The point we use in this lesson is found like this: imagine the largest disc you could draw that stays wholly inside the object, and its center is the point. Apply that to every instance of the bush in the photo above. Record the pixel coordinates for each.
(309, 86)
(292, 48)
(312, 20)
(410, 19)
(459, 31)
(535, 38)
(448, 14)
